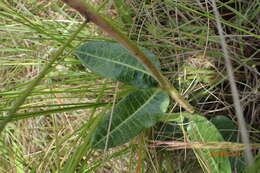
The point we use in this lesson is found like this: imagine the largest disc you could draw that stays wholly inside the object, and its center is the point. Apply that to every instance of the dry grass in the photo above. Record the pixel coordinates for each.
(183, 35)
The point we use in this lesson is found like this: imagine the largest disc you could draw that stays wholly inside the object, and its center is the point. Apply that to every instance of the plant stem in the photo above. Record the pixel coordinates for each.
(91, 15)
(21, 99)
(239, 112)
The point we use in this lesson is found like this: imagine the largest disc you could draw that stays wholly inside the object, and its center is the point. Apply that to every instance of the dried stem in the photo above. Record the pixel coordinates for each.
(234, 90)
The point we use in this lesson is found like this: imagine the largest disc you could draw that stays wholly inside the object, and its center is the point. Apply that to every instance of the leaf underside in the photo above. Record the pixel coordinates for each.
(202, 130)
(137, 111)
(112, 60)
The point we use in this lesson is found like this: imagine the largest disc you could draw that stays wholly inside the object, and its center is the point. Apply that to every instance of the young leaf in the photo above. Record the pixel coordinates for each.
(137, 111)
(112, 60)
(202, 130)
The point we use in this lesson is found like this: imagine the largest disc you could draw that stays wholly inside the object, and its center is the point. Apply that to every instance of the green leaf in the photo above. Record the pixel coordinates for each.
(202, 130)
(229, 131)
(226, 127)
(112, 60)
(137, 111)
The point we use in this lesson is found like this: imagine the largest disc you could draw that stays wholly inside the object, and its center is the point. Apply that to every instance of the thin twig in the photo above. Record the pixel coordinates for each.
(236, 100)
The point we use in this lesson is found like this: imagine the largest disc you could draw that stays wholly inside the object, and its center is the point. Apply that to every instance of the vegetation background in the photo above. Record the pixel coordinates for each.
(56, 117)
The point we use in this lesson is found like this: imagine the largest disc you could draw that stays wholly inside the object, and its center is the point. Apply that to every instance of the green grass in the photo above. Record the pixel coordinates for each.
(50, 132)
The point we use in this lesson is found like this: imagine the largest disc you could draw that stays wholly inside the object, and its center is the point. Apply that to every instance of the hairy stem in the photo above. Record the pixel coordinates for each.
(91, 15)
(21, 99)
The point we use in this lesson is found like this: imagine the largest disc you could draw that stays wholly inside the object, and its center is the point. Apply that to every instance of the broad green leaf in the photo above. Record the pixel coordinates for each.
(112, 60)
(202, 130)
(229, 131)
(226, 127)
(137, 111)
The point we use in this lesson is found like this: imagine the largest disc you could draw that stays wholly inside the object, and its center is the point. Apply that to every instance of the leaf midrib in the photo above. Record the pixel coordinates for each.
(126, 120)
(116, 62)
